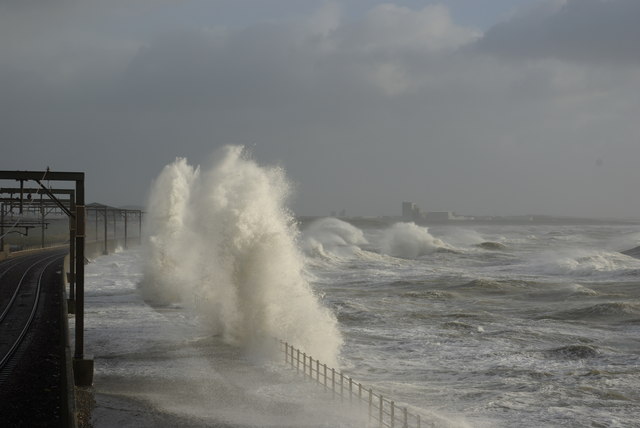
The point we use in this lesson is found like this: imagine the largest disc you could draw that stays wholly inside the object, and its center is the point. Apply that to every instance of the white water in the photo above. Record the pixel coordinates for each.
(161, 367)
(221, 242)
(409, 241)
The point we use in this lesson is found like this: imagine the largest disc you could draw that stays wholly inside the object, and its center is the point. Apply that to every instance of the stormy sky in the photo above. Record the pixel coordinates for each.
(478, 107)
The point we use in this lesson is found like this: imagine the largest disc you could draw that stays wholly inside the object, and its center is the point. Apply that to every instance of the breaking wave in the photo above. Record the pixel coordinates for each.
(573, 352)
(332, 237)
(613, 311)
(585, 263)
(221, 242)
(410, 241)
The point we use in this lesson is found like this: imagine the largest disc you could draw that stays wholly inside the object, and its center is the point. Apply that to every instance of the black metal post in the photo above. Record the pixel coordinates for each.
(83, 366)
(106, 249)
(126, 215)
(42, 213)
(72, 257)
(2, 227)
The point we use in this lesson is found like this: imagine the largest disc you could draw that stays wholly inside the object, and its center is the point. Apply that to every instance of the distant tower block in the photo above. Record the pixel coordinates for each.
(410, 211)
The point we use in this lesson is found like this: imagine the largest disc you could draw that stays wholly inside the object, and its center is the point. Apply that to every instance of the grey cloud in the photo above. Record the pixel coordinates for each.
(579, 30)
(358, 122)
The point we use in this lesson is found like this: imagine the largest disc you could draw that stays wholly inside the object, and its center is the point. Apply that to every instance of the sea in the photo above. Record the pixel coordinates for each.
(467, 325)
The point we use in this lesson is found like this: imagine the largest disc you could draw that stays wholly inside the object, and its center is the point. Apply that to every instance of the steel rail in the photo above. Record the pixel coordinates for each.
(7, 265)
(44, 264)
(19, 285)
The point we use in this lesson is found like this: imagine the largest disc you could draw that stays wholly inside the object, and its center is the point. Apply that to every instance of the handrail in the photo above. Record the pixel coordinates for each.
(380, 409)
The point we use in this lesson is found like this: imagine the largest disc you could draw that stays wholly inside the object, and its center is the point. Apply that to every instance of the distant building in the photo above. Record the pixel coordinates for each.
(439, 216)
(410, 211)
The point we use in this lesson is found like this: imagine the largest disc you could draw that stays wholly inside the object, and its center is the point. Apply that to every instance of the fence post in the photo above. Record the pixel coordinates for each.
(393, 414)
(325, 377)
(333, 382)
(391, 423)
(304, 364)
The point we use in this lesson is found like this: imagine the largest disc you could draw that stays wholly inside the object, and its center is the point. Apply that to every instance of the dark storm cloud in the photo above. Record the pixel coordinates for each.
(398, 104)
(582, 30)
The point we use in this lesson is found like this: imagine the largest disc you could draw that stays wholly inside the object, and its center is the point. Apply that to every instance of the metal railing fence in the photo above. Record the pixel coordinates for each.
(380, 409)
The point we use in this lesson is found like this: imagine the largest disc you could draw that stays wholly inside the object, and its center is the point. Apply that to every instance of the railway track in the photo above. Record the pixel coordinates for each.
(33, 387)
(21, 286)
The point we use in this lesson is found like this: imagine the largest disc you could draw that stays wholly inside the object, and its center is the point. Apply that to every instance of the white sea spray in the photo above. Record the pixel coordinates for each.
(221, 241)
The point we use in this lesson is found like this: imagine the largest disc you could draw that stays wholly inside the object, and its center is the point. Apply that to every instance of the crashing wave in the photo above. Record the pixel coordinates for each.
(221, 242)
(410, 241)
(329, 237)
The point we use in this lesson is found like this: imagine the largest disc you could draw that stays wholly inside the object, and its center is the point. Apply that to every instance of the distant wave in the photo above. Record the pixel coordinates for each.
(330, 237)
(584, 263)
(573, 352)
(487, 286)
(614, 311)
(633, 252)
(581, 290)
(430, 295)
(489, 245)
(410, 241)
(460, 326)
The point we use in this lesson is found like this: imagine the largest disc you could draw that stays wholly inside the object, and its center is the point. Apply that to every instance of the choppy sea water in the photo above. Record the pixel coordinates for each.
(469, 325)
(495, 325)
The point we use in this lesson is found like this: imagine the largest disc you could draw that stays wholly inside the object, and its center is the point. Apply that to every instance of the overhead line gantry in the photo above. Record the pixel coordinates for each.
(82, 364)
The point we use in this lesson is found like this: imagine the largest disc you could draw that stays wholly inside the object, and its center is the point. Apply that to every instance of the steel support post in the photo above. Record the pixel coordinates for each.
(21, 194)
(106, 249)
(2, 228)
(126, 215)
(71, 301)
(82, 364)
(42, 214)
